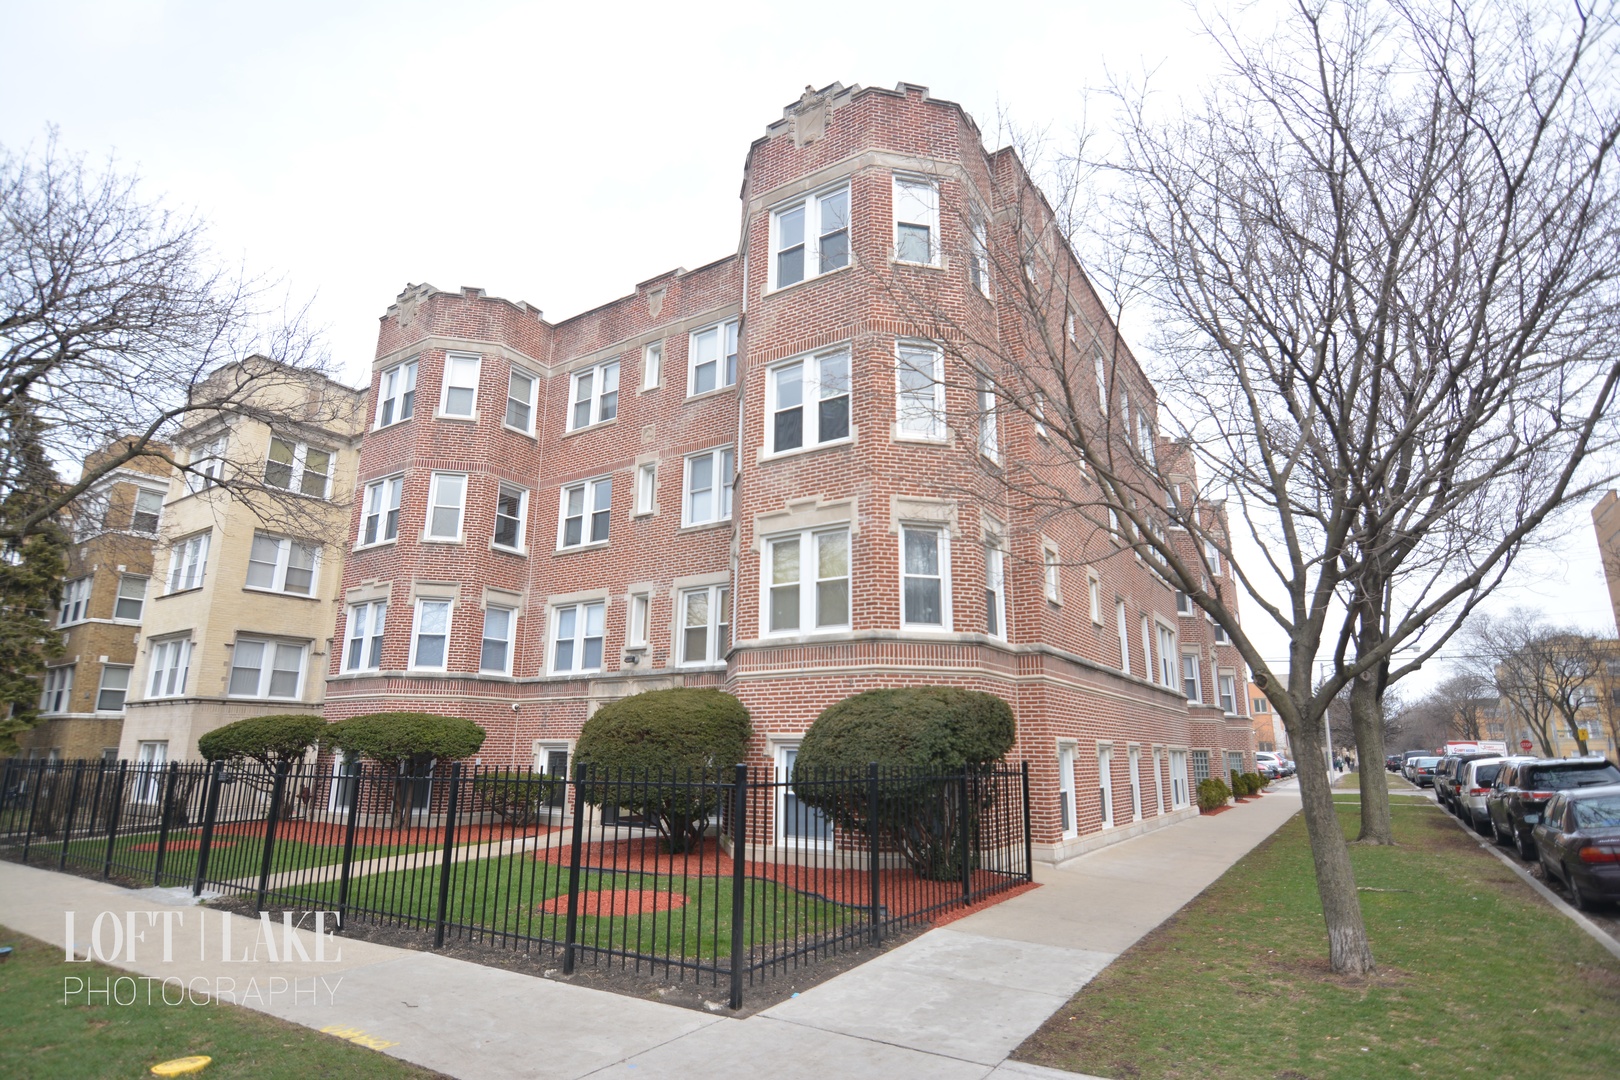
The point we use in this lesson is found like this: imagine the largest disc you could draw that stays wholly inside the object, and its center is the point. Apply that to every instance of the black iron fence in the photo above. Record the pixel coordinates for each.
(726, 877)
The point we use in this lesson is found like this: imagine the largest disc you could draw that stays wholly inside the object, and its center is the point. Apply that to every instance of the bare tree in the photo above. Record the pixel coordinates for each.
(1547, 675)
(1380, 264)
(119, 330)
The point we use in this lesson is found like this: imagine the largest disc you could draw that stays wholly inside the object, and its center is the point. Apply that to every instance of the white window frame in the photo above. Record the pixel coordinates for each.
(1179, 780)
(381, 504)
(125, 670)
(989, 426)
(942, 557)
(638, 621)
(580, 638)
(995, 591)
(1226, 691)
(652, 365)
(188, 563)
(1102, 382)
(169, 667)
(1151, 672)
(1158, 779)
(126, 593)
(518, 546)
(396, 394)
(809, 541)
(456, 369)
(716, 646)
(1191, 673)
(1105, 783)
(727, 356)
(149, 494)
(1168, 650)
(589, 514)
(527, 404)
(1212, 554)
(1124, 636)
(1134, 755)
(283, 563)
(1184, 604)
(782, 751)
(722, 468)
(56, 690)
(75, 604)
(979, 253)
(814, 385)
(362, 651)
(915, 420)
(507, 643)
(1051, 574)
(646, 489)
(298, 469)
(267, 669)
(916, 203)
(423, 603)
(814, 261)
(1068, 809)
(1094, 596)
(150, 758)
(206, 465)
(601, 404)
(436, 502)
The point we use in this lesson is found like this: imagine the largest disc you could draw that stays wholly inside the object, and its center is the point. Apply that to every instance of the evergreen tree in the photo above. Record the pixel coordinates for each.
(31, 569)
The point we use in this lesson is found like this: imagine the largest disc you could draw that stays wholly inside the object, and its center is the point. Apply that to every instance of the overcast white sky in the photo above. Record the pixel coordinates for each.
(554, 153)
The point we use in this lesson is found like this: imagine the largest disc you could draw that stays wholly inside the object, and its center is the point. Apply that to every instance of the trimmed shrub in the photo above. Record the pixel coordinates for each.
(277, 742)
(408, 743)
(517, 796)
(1253, 782)
(1236, 784)
(1213, 793)
(919, 736)
(681, 736)
(1263, 780)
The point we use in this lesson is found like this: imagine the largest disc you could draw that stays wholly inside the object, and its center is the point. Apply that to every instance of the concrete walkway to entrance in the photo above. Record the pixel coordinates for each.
(952, 1003)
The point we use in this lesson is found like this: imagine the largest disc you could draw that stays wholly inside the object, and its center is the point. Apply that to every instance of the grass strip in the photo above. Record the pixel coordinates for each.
(1477, 976)
(50, 1040)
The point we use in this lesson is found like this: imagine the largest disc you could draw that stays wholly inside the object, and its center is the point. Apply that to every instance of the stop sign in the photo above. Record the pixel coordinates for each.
(1525, 744)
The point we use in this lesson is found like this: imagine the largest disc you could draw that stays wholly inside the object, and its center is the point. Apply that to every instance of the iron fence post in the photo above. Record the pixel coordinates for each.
(348, 843)
(739, 878)
(72, 807)
(449, 854)
(216, 777)
(872, 855)
(576, 846)
(163, 822)
(112, 818)
(964, 829)
(33, 803)
(1029, 841)
(278, 789)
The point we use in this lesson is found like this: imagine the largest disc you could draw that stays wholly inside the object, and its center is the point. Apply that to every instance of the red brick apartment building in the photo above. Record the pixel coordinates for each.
(747, 476)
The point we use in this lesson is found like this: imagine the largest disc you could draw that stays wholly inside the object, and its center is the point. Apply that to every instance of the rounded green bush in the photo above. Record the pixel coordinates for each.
(1213, 793)
(275, 742)
(407, 737)
(941, 728)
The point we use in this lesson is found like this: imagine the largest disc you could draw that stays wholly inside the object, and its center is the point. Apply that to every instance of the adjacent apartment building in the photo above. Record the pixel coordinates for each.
(767, 475)
(238, 619)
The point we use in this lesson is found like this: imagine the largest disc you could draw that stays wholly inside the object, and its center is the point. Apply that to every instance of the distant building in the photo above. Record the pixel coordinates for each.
(1269, 733)
(1606, 522)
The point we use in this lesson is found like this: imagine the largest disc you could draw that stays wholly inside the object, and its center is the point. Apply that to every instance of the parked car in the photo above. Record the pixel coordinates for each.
(1393, 763)
(1269, 763)
(1420, 770)
(1523, 790)
(1448, 780)
(1442, 780)
(1473, 785)
(1578, 842)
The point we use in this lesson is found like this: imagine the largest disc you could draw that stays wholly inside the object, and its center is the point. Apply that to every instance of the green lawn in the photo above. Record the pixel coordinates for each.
(1398, 784)
(505, 894)
(50, 1040)
(1478, 977)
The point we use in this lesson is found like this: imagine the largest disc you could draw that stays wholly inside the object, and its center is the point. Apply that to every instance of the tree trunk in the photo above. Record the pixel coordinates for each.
(1367, 719)
(1349, 952)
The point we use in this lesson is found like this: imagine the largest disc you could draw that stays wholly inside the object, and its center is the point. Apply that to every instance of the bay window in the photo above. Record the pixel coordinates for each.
(808, 401)
(807, 582)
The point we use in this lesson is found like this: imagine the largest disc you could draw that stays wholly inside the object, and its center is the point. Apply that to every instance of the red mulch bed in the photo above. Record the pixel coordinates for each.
(1217, 810)
(616, 903)
(903, 891)
(180, 845)
(332, 833)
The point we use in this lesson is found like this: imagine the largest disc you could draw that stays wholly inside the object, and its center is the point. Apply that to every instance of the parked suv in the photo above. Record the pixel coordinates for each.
(1473, 785)
(1448, 779)
(1522, 791)
(1442, 780)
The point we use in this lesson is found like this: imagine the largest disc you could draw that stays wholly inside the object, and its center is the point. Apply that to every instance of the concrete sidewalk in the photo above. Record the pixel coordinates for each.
(952, 1003)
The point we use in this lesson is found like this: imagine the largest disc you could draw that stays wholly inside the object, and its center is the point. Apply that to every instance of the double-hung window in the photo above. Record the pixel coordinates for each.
(577, 638)
(1124, 637)
(170, 660)
(585, 513)
(446, 498)
(594, 395)
(379, 519)
(1226, 691)
(916, 220)
(1094, 594)
(925, 577)
(187, 561)
(511, 511)
(995, 592)
(652, 365)
(278, 564)
(1191, 683)
(979, 258)
(496, 654)
(1167, 654)
(396, 394)
(267, 669)
(521, 388)
(296, 466)
(58, 686)
(430, 635)
(1066, 807)
(807, 581)
(131, 598)
(148, 508)
(1148, 670)
(712, 358)
(1184, 604)
(708, 487)
(808, 401)
(75, 602)
(207, 466)
(114, 688)
(635, 634)
(920, 392)
(646, 487)
(460, 385)
(1102, 381)
(1051, 570)
(810, 237)
(365, 636)
(989, 433)
(705, 624)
